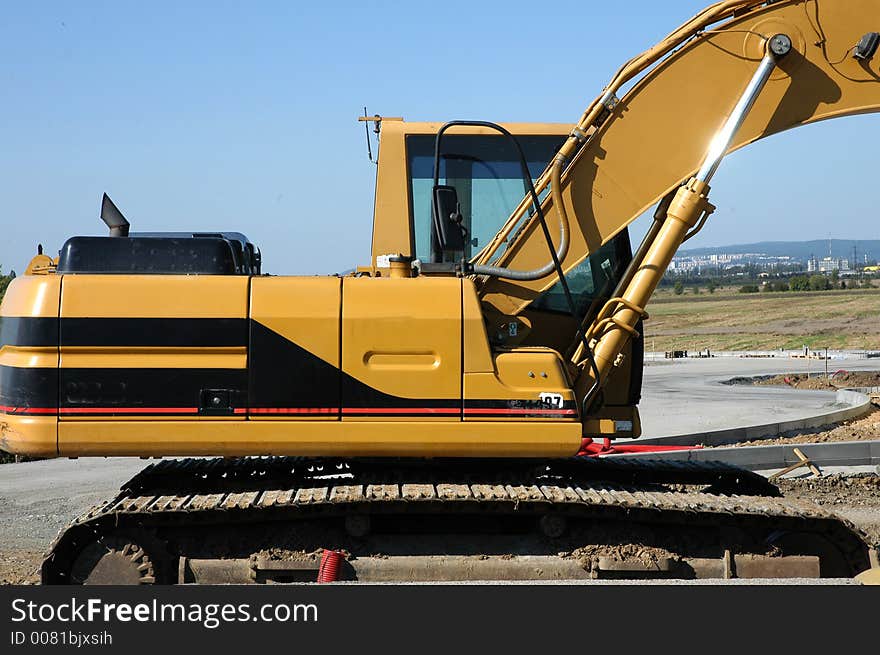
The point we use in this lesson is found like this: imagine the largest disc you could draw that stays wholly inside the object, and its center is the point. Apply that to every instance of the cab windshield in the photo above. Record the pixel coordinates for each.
(485, 171)
(486, 174)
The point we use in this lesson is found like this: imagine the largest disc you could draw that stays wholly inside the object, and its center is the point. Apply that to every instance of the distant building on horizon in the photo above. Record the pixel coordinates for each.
(827, 265)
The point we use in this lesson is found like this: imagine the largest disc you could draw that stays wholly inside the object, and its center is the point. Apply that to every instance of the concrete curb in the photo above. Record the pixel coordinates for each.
(857, 404)
(656, 356)
(763, 458)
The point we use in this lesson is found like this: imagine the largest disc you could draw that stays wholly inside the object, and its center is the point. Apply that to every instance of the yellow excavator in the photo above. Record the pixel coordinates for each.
(430, 415)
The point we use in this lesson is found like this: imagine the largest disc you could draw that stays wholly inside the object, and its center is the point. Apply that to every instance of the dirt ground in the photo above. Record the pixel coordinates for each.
(855, 497)
(837, 379)
(20, 567)
(854, 490)
(764, 321)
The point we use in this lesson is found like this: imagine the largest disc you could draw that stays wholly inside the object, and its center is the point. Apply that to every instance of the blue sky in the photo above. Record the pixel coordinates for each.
(242, 116)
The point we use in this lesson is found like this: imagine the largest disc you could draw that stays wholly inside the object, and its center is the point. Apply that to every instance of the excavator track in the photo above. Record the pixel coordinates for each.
(264, 520)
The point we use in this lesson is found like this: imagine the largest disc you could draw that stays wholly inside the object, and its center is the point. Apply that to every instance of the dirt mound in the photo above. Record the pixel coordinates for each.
(840, 379)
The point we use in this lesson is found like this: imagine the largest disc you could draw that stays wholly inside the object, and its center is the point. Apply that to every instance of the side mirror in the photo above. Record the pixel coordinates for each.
(446, 217)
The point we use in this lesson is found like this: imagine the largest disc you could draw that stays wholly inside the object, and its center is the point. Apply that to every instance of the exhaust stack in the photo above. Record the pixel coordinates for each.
(114, 219)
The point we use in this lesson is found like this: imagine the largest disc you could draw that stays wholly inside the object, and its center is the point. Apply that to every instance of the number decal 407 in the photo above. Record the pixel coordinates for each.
(553, 400)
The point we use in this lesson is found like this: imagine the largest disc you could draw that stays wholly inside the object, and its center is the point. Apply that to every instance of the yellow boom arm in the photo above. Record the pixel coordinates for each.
(655, 137)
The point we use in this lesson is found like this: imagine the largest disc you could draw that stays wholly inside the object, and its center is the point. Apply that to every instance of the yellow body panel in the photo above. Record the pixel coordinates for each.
(29, 356)
(29, 297)
(35, 436)
(304, 310)
(150, 357)
(154, 296)
(33, 296)
(170, 297)
(520, 374)
(315, 438)
(477, 354)
(402, 337)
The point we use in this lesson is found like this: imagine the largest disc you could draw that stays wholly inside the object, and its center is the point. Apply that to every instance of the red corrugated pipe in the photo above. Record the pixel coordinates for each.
(328, 571)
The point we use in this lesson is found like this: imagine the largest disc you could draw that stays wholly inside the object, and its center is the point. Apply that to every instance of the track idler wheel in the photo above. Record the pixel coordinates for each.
(113, 560)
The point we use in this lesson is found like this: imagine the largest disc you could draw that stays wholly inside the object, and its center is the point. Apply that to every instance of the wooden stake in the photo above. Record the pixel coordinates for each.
(804, 461)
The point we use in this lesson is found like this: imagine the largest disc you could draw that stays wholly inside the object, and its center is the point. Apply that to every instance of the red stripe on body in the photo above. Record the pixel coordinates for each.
(519, 410)
(401, 410)
(294, 410)
(28, 410)
(129, 410)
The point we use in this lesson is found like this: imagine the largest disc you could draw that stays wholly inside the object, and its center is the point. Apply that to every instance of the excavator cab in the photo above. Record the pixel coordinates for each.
(481, 181)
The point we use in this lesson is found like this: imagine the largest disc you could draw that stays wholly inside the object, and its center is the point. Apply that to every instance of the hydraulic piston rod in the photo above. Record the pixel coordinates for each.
(777, 46)
(615, 324)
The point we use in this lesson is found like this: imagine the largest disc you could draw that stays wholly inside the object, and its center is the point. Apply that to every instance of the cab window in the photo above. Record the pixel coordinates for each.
(595, 277)
(486, 173)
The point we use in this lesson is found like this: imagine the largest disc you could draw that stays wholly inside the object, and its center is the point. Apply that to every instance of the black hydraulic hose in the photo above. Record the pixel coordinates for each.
(528, 185)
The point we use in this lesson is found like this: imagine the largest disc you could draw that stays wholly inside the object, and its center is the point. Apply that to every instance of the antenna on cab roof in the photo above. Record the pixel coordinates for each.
(376, 119)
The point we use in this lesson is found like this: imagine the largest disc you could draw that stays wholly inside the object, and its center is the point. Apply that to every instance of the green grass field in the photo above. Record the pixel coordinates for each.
(727, 320)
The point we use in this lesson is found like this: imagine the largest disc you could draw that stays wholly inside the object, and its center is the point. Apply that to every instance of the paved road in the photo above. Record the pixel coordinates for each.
(686, 396)
(38, 498)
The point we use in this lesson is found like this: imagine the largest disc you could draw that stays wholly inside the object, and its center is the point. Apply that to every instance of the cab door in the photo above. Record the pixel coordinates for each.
(401, 349)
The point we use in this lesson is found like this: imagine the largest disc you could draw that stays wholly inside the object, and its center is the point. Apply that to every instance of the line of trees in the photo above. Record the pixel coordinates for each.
(814, 282)
(4, 282)
(5, 458)
(678, 287)
(807, 283)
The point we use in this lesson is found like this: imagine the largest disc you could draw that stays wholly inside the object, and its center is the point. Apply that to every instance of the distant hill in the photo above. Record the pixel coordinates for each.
(798, 249)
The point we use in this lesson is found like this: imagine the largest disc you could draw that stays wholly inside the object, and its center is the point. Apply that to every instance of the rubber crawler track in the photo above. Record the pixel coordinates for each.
(235, 494)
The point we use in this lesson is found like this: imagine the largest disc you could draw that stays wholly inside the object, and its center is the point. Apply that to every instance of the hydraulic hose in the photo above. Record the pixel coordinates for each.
(556, 255)
(561, 250)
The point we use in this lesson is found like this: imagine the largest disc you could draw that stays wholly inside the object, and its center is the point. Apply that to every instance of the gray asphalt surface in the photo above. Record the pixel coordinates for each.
(686, 395)
(37, 499)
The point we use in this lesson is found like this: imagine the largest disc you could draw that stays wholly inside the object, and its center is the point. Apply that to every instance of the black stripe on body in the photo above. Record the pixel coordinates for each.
(120, 332)
(83, 388)
(514, 409)
(28, 387)
(155, 332)
(282, 374)
(31, 331)
(356, 394)
(511, 403)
